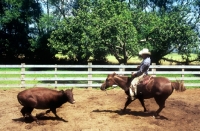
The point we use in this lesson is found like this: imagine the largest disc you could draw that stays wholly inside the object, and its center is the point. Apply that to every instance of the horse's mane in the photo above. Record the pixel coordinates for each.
(124, 78)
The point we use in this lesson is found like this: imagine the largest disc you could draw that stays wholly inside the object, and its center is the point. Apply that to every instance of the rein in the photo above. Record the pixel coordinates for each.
(144, 81)
(116, 83)
(107, 92)
(121, 78)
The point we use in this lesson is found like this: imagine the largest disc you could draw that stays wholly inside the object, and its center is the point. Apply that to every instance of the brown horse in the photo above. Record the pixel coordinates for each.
(159, 88)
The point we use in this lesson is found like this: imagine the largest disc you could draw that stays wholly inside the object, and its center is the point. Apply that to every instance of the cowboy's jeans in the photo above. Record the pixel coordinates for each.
(133, 86)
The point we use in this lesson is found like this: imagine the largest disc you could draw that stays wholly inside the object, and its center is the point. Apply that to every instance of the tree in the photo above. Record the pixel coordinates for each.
(120, 38)
(105, 24)
(197, 23)
(9, 13)
(60, 8)
(16, 18)
(164, 28)
(115, 29)
(168, 34)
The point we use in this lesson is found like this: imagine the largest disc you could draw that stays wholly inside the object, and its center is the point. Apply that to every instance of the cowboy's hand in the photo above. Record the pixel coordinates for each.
(133, 75)
(138, 67)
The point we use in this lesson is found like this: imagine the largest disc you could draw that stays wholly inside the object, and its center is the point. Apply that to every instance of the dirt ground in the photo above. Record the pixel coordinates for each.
(95, 110)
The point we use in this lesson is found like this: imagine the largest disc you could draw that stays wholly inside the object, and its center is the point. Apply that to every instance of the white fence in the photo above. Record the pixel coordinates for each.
(71, 77)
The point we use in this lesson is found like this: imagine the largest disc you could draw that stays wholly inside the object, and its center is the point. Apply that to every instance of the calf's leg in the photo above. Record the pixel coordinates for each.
(54, 112)
(27, 111)
(43, 113)
(23, 111)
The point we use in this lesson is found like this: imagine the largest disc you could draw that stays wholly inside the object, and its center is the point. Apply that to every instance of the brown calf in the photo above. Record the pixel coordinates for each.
(43, 98)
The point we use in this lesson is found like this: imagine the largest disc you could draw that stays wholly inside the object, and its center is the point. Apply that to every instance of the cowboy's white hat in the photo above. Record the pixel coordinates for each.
(145, 51)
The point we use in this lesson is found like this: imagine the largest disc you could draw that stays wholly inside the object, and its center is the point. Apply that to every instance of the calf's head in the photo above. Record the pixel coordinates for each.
(69, 95)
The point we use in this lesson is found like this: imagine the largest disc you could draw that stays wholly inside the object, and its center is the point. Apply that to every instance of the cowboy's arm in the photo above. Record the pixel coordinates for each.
(143, 68)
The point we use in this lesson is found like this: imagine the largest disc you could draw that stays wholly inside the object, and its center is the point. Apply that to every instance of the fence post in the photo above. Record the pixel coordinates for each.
(121, 69)
(22, 75)
(154, 70)
(182, 75)
(56, 75)
(89, 74)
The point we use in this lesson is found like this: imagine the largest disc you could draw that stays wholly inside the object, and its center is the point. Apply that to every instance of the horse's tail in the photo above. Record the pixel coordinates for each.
(178, 86)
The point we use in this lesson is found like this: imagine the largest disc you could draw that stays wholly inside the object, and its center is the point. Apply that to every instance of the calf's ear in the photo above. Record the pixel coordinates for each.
(72, 89)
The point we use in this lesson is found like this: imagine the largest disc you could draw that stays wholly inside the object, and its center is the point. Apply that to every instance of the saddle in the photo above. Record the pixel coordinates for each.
(146, 81)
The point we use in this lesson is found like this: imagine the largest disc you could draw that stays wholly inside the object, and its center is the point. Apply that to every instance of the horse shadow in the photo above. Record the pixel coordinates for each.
(134, 113)
(30, 120)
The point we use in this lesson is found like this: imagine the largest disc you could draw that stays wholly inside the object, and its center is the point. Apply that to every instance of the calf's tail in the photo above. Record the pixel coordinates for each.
(18, 98)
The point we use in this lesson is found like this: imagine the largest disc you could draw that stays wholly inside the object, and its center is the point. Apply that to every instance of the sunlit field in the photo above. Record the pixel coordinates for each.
(173, 56)
(111, 59)
(136, 60)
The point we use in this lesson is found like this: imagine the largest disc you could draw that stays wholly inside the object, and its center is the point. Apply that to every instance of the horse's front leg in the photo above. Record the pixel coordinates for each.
(141, 99)
(128, 101)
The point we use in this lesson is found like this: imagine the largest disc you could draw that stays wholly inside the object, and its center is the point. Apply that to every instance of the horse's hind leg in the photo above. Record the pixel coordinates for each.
(161, 103)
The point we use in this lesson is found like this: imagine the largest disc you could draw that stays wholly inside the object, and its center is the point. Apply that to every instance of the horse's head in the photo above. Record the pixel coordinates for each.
(109, 81)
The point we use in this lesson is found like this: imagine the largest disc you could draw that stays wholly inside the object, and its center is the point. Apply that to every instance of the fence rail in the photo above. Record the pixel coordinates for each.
(58, 78)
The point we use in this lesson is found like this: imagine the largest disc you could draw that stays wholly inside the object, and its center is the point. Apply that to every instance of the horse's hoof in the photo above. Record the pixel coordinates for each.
(38, 122)
(145, 110)
(123, 110)
(39, 115)
(156, 116)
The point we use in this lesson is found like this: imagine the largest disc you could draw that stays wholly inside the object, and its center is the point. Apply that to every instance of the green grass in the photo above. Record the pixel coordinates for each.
(10, 75)
(177, 57)
(42, 75)
(135, 60)
(69, 75)
(110, 58)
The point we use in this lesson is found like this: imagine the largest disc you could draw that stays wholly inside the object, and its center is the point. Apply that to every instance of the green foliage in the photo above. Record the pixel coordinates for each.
(15, 30)
(107, 26)
(10, 10)
(115, 29)
(85, 29)
(167, 33)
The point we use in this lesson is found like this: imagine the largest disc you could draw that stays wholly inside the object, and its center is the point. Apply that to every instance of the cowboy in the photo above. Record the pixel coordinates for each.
(143, 70)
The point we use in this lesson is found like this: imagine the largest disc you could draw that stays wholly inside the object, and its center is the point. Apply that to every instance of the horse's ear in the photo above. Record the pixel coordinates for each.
(114, 74)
